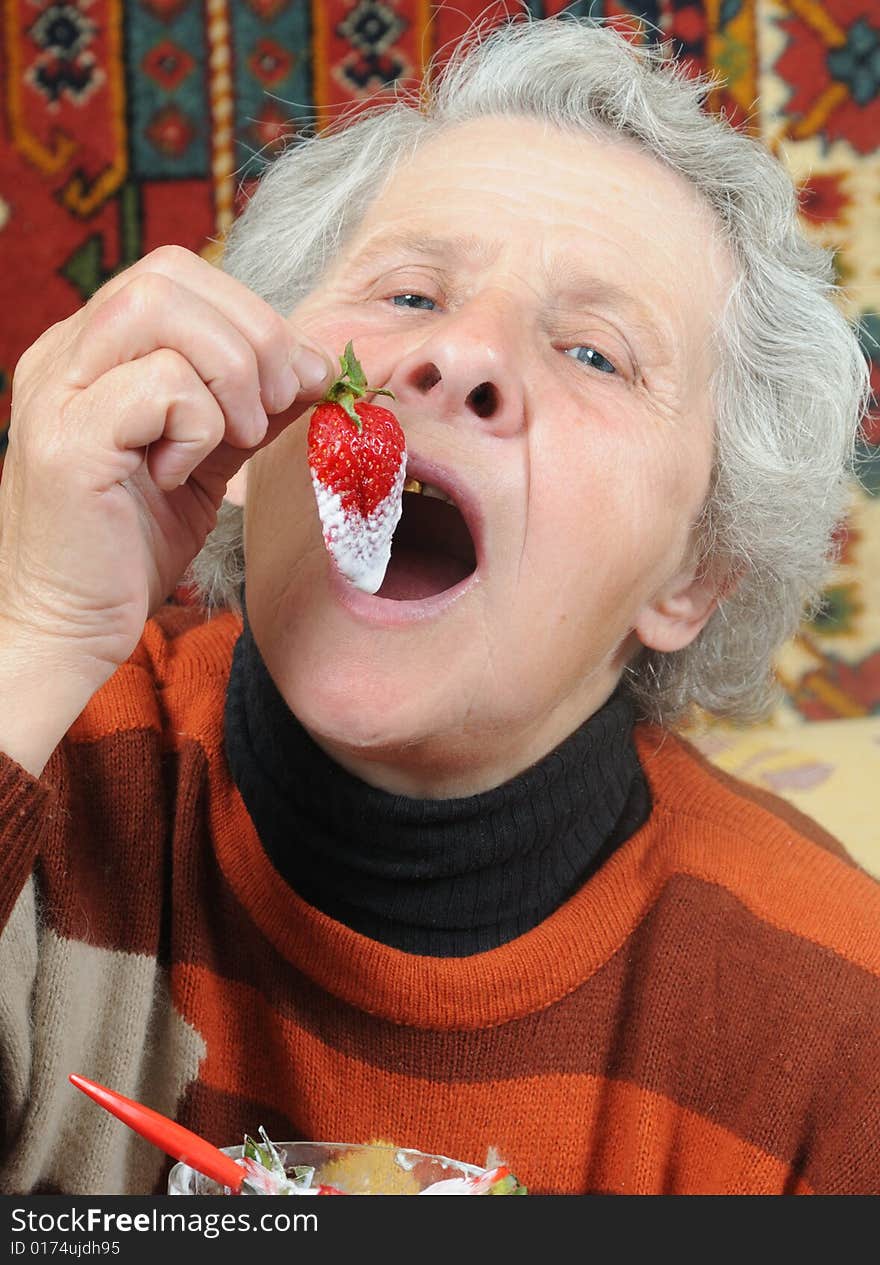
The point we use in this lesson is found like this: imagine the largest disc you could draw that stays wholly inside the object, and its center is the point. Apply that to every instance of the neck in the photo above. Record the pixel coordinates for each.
(430, 875)
(451, 767)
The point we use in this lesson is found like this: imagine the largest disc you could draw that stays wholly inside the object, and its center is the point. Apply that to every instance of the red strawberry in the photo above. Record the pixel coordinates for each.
(357, 459)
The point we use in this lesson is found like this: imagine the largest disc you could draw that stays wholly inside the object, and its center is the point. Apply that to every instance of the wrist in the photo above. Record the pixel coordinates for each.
(44, 686)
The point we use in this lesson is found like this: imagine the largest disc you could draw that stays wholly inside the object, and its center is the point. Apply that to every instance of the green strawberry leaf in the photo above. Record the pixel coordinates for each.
(352, 369)
(346, 401)
(351, 385)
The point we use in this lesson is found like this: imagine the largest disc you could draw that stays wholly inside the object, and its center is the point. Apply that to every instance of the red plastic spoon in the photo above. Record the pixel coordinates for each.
(168, 1135)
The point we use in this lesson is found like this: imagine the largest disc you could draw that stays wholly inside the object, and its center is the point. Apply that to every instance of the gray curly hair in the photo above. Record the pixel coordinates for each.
(790, 385)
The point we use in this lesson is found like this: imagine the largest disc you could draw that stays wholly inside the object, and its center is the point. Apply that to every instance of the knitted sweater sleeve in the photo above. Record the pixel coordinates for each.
(28, 807)
(29, 811)
(47, 817)
(85, 870)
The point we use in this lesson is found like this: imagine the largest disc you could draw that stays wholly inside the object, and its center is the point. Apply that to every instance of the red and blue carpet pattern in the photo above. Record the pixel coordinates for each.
(128, 125)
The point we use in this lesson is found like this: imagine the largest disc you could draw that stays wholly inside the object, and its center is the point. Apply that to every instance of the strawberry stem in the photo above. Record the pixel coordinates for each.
(351, 385)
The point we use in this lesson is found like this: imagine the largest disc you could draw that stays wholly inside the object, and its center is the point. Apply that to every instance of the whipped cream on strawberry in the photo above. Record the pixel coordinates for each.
(357, 462)
(359, 544)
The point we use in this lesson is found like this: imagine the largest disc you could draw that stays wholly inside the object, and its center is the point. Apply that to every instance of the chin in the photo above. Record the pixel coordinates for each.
(362, 710)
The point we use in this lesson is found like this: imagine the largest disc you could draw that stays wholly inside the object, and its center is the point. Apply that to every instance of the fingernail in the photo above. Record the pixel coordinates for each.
(311, 369)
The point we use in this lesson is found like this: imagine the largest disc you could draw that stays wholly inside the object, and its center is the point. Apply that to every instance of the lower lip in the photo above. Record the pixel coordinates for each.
(382, 612)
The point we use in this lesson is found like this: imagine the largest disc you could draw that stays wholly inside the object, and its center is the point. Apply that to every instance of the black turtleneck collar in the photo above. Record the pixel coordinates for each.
(446, 877)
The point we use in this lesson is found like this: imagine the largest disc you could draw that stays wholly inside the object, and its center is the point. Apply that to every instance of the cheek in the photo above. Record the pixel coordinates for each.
(332, 325)
(319, 318)
(608, 525)
(590, 495)
(280, 506)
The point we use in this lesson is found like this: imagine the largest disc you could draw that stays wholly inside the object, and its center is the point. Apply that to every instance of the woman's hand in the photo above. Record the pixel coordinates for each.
(128, 420)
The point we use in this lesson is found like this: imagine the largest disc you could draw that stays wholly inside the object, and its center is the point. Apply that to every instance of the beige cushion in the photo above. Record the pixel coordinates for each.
(829, 770)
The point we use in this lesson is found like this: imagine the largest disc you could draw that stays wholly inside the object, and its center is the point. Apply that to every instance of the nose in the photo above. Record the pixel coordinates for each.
(467, 369)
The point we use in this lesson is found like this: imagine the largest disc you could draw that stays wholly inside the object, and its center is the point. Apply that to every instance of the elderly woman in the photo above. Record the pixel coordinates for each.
(431, 865)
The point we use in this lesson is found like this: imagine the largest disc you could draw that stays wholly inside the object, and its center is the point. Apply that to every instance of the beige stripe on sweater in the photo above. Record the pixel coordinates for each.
(66, 1006)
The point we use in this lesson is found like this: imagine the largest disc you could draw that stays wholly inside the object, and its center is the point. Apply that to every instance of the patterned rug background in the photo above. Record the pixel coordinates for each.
(125, 126)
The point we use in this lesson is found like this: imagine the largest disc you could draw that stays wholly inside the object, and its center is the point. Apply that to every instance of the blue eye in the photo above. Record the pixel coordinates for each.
(575, 352)
(419, 301)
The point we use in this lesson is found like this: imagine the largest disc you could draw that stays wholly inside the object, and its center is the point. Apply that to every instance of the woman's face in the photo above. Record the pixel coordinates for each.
(541, 306)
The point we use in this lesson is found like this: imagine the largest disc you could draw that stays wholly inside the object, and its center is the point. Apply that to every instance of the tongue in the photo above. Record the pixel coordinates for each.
(413, 574)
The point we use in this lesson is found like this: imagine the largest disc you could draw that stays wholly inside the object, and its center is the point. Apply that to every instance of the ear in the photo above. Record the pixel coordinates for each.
(237, 486)
(679, 612)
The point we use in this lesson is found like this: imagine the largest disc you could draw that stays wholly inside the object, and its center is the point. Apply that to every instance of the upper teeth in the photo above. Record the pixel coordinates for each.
(425, 489)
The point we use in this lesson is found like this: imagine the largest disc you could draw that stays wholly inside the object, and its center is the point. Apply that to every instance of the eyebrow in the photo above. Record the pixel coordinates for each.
(571, 284)
(578, 287)
(460, 247)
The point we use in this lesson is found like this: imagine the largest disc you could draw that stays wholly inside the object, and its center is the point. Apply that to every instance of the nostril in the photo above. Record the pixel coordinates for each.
(427, 377)
(484, 399)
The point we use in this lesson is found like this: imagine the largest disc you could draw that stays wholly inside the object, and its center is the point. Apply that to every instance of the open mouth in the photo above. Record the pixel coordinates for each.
(432, 549)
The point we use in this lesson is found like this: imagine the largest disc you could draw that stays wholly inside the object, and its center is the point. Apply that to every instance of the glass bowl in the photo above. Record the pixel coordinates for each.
(353, 1168)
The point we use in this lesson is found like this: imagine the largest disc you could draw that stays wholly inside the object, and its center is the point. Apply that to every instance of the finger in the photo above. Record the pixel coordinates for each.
(151, 313)
(156, 407)
(224, 462)
(278, 346)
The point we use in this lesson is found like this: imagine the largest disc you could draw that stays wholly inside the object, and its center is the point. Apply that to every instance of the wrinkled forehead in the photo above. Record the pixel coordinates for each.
(560, 199)
(570, 215)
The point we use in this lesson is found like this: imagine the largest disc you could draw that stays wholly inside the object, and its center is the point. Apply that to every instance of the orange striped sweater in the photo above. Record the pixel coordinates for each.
(702, 1016)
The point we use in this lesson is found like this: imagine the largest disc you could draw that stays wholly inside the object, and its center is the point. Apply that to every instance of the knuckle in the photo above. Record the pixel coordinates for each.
(139, 297)
(239, 370)
(192, 393)
(169, 378)
(173, 382)
(26, 361)
(119, 305)
(169, 255)
(269, 334)
(45, 344)
(148, 290)
(167, 367)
